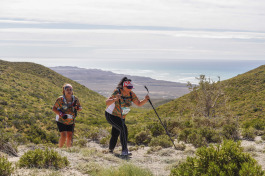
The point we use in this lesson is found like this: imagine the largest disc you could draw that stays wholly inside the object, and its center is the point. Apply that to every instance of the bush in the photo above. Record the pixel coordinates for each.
(230, 131)
(183, 136)
(209, 134)
(43, 159)
(263, 137)
(180, 146)
(156, 129)
(162, 141)
(249, 133)
(199, 137)
(225, 159)
(5, 167)
(81, 142)
(142, 137)
(105, 141)
(197, 140)
(95, 134)
(37, 135)
(7, 144)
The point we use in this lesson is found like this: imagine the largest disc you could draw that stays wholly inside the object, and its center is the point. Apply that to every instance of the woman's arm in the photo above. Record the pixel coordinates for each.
(56, 111)
(142, 102)
(111, 100)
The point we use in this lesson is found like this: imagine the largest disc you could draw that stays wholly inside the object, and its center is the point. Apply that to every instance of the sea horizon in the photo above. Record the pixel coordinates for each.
(181, 71)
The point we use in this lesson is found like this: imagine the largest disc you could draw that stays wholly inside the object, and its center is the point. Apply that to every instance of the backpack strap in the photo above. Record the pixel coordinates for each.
(65, 102)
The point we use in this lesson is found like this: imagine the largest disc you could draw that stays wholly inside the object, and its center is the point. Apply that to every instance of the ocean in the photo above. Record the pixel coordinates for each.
(169, 70)
(185, 70)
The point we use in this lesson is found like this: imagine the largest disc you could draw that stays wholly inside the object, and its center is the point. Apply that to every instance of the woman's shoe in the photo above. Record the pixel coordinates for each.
(126, 153)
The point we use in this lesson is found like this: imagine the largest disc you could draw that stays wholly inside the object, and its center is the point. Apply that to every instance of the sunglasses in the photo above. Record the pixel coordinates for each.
(129, 87)
(68, 89)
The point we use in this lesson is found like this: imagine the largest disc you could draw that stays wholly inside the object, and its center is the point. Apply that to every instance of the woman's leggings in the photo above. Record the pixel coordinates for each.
(117, 129)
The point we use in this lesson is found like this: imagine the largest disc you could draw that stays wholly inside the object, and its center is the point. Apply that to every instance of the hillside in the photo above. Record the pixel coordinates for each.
(245, 95)
(28, 92)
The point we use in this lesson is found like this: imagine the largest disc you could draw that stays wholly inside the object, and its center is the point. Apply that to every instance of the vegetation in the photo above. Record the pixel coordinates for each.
(28, 92)
(6, 144)
(225, 159)
(214, 111)
(211, 113)
(43, 159)
(125, 170)
(6, 168)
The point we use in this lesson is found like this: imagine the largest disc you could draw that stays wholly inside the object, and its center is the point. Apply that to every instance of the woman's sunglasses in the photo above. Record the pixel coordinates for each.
(129, 87)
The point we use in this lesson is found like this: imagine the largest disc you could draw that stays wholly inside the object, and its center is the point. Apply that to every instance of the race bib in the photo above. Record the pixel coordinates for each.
(68, 117)
(125, 110)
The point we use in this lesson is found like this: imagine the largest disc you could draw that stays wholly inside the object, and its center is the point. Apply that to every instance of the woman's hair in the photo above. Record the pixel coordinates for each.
(65, 85)
(120, 85)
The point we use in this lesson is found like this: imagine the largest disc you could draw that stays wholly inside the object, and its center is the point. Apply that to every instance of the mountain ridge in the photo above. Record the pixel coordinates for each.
(104, 82)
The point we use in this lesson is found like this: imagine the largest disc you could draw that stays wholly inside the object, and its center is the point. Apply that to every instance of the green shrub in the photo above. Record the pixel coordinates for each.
(7, 145)
(263, 137)
(125, 170)
(43, 159)
(162, 141)
(180, 146)
(105, 141)
(6, 168)
(230, 131)
(143, 137)
(221, 160)
(156, 129)
(199, 137)
(259, 125)
(183, 135)
(37, 135)
(81, 142)
(209, 134)
(249, 169)
(95, 133)
(249, 133)
(197, 140)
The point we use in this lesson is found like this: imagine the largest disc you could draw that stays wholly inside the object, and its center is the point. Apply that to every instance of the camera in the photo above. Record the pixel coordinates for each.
(65, 116)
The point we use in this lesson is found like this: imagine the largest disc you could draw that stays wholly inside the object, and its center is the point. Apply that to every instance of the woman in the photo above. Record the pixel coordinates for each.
(66, 108)
(117, 108)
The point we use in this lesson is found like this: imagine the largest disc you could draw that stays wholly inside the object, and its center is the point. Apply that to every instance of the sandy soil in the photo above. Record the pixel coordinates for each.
(158, 162)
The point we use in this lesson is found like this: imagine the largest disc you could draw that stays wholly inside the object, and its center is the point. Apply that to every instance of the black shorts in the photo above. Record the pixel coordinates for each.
(62, 127)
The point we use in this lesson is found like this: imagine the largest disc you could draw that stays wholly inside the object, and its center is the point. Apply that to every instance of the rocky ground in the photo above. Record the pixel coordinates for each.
(86, 160)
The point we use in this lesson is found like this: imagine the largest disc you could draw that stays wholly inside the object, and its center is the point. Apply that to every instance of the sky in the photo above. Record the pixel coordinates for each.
(75, 31)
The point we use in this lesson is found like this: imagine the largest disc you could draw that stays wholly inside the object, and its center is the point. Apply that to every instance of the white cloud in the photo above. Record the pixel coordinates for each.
(204, 14)
(156, 29)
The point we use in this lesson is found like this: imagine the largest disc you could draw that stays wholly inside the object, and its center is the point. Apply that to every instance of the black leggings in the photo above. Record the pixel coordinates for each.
(117, 129)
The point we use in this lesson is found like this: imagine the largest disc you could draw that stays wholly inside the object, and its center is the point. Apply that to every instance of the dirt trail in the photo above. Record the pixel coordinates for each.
(83, 160)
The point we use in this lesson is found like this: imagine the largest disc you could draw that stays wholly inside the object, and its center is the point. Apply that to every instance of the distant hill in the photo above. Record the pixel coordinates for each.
(246, 94)
(104, 82)
(27, 94)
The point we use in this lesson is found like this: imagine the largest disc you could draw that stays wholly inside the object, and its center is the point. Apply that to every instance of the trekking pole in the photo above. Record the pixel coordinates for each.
(160, 119)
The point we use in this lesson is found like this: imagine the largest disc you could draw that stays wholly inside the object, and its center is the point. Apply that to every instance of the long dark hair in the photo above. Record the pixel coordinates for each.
(120, 85)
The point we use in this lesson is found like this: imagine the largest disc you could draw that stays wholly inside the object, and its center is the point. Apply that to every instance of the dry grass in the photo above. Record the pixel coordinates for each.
(93, 159)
